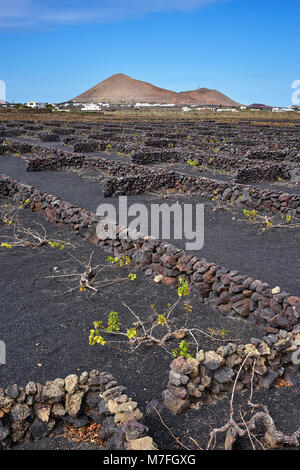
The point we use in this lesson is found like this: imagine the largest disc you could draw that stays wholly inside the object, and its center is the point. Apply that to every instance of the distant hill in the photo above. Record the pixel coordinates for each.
(259, 105)
(120, 88)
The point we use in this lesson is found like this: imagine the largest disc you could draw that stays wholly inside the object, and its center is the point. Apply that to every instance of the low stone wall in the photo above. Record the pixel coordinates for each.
(10, 132)
(147, 156)
(144, 179)
(34, 411)
(270, 172)
(13, 147)
(66, 160)
(273, 155)
(247, 170)
(161, 142)
(213, 373)
(87, 146)
(228, 291)
(232, 193)
(49, 137)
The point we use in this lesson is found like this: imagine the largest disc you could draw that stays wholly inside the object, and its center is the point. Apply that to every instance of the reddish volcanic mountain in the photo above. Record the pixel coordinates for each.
(120, 88)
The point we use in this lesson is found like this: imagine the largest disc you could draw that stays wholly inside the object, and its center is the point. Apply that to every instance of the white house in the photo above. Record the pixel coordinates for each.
(232, 110)
(31, 104)
(91, 107)
(282, 110)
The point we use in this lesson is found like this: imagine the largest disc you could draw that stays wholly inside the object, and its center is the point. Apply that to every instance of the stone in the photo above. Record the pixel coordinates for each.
(113, 392)
(226, 350)
(225, 297)
(250, 350)
(53, 391)
(194, 390)
(74, 403)
(224, 374)
(102, 409)
(268, 380)
(109, 428)
(276, 290)
(20, 412)
(30, 388)
(169, 281)
(30, 400)
(116, 441)
(178, 392)
(84, 377)
(39, 429)
(213, 360)
(260, 367)
(263, 349)
(123, 417)
(283, 333)
(175, 405)
(121, 399)
(283, 344)
(204, 288)
(71, 383)
(4, 432)
(143, 443)
(177, 379)
(42, 412)
(18, 430)
(216, 387)
(153, 406)
(134, 430)
(58, 410)
(233, 360)
(12, 391)
(22, 395)
(126, 407)
(194, 367)
(92, 400)
(59, 382)
(276, 307)
(293, 300)
(180, 365)
(205, 382)
(200, 356)
(98, 379)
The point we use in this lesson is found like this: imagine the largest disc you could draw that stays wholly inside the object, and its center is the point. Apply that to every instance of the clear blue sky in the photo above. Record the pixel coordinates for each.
(54, 50)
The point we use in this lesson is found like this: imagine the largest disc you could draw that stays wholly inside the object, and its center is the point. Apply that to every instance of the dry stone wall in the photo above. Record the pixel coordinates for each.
(35, 411)
(232, 193)
(228, 291)
(211, 374)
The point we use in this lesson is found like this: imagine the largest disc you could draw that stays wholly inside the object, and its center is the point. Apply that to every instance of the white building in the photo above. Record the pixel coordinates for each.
(282, 110)
(31, 104)
(232, 110)
(91, 107)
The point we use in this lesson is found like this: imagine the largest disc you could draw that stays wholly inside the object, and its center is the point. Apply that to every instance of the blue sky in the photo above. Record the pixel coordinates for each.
(54, 50)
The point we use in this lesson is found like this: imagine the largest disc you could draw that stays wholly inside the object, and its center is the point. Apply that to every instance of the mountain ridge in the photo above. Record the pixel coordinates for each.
(120, 88)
